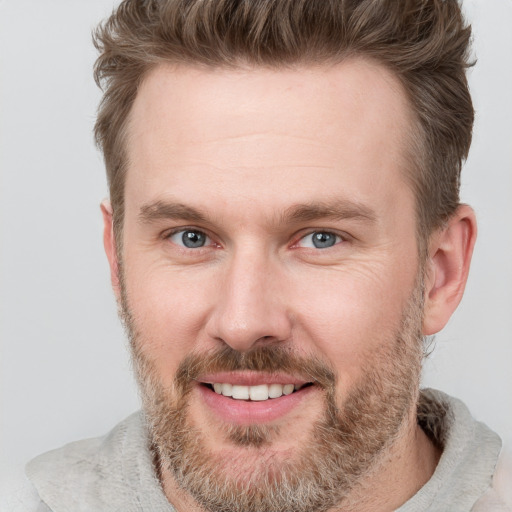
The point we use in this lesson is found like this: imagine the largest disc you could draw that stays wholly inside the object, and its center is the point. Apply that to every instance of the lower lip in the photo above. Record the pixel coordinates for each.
(244, 412)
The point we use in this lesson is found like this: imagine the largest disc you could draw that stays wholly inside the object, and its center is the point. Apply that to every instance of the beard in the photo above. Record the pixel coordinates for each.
(345, 444)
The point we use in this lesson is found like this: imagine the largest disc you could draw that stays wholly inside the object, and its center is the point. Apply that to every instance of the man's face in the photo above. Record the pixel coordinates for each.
(269, 245)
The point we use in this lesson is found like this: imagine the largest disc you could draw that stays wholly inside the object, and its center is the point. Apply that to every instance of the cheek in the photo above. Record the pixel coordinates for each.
(347, 316)
(168, 311)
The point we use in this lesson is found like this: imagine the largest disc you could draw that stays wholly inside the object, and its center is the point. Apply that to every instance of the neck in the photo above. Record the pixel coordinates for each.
(405, 468)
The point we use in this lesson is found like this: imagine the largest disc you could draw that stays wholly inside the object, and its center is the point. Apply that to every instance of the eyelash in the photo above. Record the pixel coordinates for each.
(339, 238)
(168, 236)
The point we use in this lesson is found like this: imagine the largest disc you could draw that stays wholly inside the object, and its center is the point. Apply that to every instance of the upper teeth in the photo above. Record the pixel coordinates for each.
(260, 392)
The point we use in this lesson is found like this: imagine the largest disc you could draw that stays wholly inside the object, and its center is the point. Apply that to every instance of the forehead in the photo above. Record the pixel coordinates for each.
(258, 130)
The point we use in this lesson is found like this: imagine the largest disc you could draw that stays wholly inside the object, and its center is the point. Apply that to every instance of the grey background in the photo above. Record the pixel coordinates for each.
(64, 368)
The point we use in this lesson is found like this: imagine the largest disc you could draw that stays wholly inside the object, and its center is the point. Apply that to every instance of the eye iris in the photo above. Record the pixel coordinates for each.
(322, 240)
(193, 239)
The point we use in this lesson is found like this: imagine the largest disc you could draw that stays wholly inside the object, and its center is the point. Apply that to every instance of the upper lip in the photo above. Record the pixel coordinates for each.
(251, 378)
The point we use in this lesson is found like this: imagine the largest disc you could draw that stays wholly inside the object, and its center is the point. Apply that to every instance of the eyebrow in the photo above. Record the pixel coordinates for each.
(163, 210)
(336, 210)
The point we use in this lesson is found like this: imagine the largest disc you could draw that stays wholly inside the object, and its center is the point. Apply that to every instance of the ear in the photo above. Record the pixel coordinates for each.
(450, 251)
(109, 243)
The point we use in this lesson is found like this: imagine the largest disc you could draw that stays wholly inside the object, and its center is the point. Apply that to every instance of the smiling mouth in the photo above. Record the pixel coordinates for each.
(258, 393)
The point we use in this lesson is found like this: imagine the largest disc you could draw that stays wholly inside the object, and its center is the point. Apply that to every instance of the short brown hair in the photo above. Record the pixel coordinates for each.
(424, 42)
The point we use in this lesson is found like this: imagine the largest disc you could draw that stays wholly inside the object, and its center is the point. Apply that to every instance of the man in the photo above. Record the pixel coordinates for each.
(283, 230)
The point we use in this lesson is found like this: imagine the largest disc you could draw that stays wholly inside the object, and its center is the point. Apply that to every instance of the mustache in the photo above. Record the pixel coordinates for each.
(266, 358)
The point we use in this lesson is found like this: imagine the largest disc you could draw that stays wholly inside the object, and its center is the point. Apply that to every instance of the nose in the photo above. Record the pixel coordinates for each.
(250, 308)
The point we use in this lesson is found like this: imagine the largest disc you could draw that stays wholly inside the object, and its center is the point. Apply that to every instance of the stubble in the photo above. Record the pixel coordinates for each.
(344, 445)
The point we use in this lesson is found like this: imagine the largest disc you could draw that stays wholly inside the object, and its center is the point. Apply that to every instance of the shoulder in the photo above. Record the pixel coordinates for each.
(473, 472)
(498, 497)
(112, 473)
(502, 481)
(85, 469)
(18, 494)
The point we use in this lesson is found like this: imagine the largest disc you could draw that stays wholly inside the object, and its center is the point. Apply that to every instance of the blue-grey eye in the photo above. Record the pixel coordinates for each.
(190, 238)
(320, 240)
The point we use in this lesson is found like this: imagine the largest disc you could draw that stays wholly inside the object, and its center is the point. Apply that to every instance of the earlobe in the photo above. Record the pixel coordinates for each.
(451, 248)
(109, 243)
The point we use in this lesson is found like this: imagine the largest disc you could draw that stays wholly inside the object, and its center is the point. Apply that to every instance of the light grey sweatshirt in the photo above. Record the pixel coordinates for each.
(115, 473)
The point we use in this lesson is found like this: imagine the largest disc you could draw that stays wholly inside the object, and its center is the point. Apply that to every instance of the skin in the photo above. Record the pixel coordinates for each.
(243, 148)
